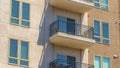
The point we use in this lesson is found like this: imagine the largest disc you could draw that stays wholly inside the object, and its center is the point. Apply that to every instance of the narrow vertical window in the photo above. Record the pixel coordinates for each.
(13, 51)
(25, 14)
(97, 30)
(97, 62)
(24, 53)
(15, 12)
(105, 33)
(104, 4)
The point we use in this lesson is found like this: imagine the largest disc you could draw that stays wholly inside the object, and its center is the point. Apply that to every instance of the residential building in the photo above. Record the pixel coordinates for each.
(59, 34)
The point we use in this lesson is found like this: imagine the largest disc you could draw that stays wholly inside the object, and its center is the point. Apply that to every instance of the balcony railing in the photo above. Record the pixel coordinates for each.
(72, 29)
(91, 1)
(65, 64)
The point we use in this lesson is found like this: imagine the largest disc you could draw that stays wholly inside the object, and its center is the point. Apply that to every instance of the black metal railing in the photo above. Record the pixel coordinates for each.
(74, 29)
(65, 64)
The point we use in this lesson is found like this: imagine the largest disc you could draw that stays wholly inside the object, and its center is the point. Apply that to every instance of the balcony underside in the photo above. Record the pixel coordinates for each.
(72, 41)
(79, 6)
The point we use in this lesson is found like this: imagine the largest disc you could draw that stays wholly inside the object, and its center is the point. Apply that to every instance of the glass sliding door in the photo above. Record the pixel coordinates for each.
(71, 26)
(66, 25)
(71, 61)
(62, 24)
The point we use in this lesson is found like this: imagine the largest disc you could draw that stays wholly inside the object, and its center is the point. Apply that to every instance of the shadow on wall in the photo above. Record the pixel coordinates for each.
(42, 35)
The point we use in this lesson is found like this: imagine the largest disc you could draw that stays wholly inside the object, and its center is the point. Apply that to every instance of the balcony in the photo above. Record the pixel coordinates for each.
(79, 6)
(71, 35)
(65, 64)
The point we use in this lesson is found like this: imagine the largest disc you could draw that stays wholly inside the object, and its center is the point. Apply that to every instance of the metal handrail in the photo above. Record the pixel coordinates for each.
(79, 30)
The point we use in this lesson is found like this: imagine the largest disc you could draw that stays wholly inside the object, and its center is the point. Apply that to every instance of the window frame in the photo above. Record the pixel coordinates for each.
(101, 4)
(101, 59)
(20, 14)
(101, 32)
(18, 54)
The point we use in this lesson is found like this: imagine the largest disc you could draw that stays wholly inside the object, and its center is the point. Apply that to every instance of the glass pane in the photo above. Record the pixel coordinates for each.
(96, 0)
(61, 59)
(24, 23)
(24, 63)
(15, 8)
(71, 26)
(24, 50)
(13, 48)
(105, 41)
(105, 2)
(71, 61)
(97, 39)
(96, 28)
(105, 29)
(12, 61)
(25, 11)
(105, 7)
(14, 21)
(97, 5)
(97, 63)
(106, 62)
(62, 24)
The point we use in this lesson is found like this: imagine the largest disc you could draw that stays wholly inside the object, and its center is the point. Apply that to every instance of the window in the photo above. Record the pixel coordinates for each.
(66, 25)
(101, 62)
(101, 4)
(101, 32)
(18, 54)
(20, 14)
(66, 60)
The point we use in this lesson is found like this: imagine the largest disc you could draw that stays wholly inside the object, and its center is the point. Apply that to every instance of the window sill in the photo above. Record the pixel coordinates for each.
(20, 25)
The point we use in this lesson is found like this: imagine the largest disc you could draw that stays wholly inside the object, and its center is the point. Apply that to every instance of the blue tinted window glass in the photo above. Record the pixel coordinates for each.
(105, 41)
(25, 11)
(71, 26)
(105, 29)
(24, 50)
(14, 21)
(62, 24)
(24, 63)
(97, 0)
(15, 8)
(105, 2)
(97, 39)
(97, 5)
(13, 48)
(96, 28)
(104, 7)
(106, 62)
(97, 63)
(13, 61)
(25, 23)
(61, 59)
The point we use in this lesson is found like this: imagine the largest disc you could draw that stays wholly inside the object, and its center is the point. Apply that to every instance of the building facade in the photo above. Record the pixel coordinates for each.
(59, 34)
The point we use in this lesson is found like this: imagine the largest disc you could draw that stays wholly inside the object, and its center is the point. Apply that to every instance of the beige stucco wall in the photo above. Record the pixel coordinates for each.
(31, 34)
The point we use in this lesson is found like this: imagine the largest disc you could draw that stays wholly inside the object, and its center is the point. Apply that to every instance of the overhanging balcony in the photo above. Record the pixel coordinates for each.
(65, 64)
(79, 6)
(75, 36)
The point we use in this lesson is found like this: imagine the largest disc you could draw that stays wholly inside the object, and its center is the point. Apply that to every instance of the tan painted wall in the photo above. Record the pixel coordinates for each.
(112, 17)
